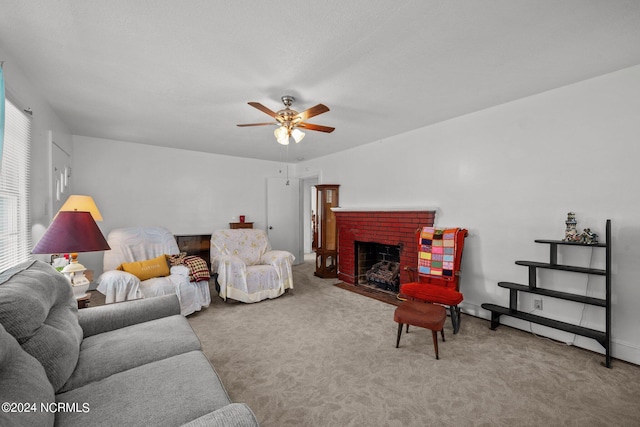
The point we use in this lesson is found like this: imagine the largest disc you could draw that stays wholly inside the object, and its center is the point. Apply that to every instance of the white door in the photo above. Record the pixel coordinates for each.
(283, 216)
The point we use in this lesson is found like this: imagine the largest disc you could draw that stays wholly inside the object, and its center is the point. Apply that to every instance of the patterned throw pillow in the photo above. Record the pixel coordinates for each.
(176, 259)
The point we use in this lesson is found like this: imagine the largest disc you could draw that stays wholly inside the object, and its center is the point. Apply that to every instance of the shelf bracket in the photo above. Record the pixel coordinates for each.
(553, 254)
(513, 299)
(532, 277)
(495, 320)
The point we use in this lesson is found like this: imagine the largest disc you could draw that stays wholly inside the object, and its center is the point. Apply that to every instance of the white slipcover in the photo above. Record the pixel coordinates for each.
(248, 270)
(142, 243)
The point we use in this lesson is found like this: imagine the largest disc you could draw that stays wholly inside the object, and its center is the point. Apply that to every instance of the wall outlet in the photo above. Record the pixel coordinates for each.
(537, 304)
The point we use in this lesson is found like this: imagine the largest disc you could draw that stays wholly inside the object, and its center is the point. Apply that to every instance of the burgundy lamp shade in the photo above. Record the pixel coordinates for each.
(71, 231)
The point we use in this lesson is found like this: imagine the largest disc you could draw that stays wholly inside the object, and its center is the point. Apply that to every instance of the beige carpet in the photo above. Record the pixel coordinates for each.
(323, 356)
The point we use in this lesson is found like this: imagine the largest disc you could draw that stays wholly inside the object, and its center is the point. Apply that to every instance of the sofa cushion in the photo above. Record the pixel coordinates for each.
(233, 415)
(147, 269)
(22, 380)
(121, 349)
(169, 392)
(37, 307)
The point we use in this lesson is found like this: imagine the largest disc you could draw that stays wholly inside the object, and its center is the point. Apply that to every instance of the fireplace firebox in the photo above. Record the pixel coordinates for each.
(378, 264)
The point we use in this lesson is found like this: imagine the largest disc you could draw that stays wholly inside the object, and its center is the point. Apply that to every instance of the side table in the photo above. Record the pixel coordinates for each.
(236, 225)
(83, 302)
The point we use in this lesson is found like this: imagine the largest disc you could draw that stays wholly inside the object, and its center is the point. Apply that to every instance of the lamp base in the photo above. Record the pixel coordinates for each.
(80, 291)
(74, 272)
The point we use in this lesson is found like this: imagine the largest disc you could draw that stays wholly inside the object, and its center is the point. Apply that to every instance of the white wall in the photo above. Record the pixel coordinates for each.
(510, 174)
(188, 192)
(45, 126)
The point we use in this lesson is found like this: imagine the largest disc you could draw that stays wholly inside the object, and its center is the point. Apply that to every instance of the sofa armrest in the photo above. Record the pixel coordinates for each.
(281, 261)
(105, 318)
(232, 415)
(119, 286)
(276, 257)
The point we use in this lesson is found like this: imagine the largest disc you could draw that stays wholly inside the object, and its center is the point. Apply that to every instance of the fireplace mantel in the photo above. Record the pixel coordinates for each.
(385, 209)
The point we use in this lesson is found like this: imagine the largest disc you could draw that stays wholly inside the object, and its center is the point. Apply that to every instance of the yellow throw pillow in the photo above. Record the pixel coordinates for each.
(147, 269)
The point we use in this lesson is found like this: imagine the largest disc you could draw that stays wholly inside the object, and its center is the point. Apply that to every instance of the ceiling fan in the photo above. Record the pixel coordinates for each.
(290, 120)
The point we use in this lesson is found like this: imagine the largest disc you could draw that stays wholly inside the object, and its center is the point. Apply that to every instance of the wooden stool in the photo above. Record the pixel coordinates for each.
(424, 315)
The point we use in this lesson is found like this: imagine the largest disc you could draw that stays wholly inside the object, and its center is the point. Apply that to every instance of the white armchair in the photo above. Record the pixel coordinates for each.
(133, 244)
(246, 267)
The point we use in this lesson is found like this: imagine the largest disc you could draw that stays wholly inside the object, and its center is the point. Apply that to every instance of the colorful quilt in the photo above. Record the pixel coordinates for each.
(437, 251)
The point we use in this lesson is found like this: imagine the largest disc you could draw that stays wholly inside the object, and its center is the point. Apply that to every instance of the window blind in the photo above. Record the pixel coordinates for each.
(15, 221)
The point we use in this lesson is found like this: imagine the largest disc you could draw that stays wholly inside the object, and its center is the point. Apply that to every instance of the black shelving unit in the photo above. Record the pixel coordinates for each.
(604, 338)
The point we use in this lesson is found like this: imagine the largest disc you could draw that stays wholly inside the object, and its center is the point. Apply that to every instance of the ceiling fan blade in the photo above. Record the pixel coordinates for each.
(311, 112)
(258, 124)
(266, 110)
(320, 128)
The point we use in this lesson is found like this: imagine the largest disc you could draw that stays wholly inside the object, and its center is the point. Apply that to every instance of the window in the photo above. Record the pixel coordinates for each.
(15, 222)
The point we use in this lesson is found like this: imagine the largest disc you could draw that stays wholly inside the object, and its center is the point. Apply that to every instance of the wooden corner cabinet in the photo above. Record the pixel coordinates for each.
(327, 243)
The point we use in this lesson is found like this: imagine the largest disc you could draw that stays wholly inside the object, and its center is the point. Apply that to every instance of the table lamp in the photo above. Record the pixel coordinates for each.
(72, 232)
(77, 202)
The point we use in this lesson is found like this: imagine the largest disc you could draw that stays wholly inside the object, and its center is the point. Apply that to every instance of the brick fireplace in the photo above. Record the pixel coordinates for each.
(386, 227)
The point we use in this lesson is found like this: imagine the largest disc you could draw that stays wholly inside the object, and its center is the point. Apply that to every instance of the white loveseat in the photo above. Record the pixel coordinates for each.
(133, 244)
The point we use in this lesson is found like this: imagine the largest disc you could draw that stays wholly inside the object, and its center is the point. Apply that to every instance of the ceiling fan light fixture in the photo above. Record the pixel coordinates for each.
(288, 120)
(297, 135)
(282, 135)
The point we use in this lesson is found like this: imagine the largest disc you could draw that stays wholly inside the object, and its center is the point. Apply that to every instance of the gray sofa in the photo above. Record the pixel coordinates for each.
(125, 364)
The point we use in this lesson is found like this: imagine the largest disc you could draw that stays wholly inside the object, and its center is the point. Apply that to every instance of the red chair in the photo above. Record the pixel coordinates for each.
(438, 271)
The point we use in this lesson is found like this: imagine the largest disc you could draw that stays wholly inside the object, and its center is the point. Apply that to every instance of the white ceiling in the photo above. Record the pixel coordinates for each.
(180, 73)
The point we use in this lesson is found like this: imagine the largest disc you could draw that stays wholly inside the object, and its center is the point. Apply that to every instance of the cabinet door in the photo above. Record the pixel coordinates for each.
(327, 198)
(330, 227)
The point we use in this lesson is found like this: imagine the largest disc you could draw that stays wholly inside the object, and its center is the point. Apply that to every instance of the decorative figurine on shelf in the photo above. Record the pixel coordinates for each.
(571, 234)
(588, 237)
